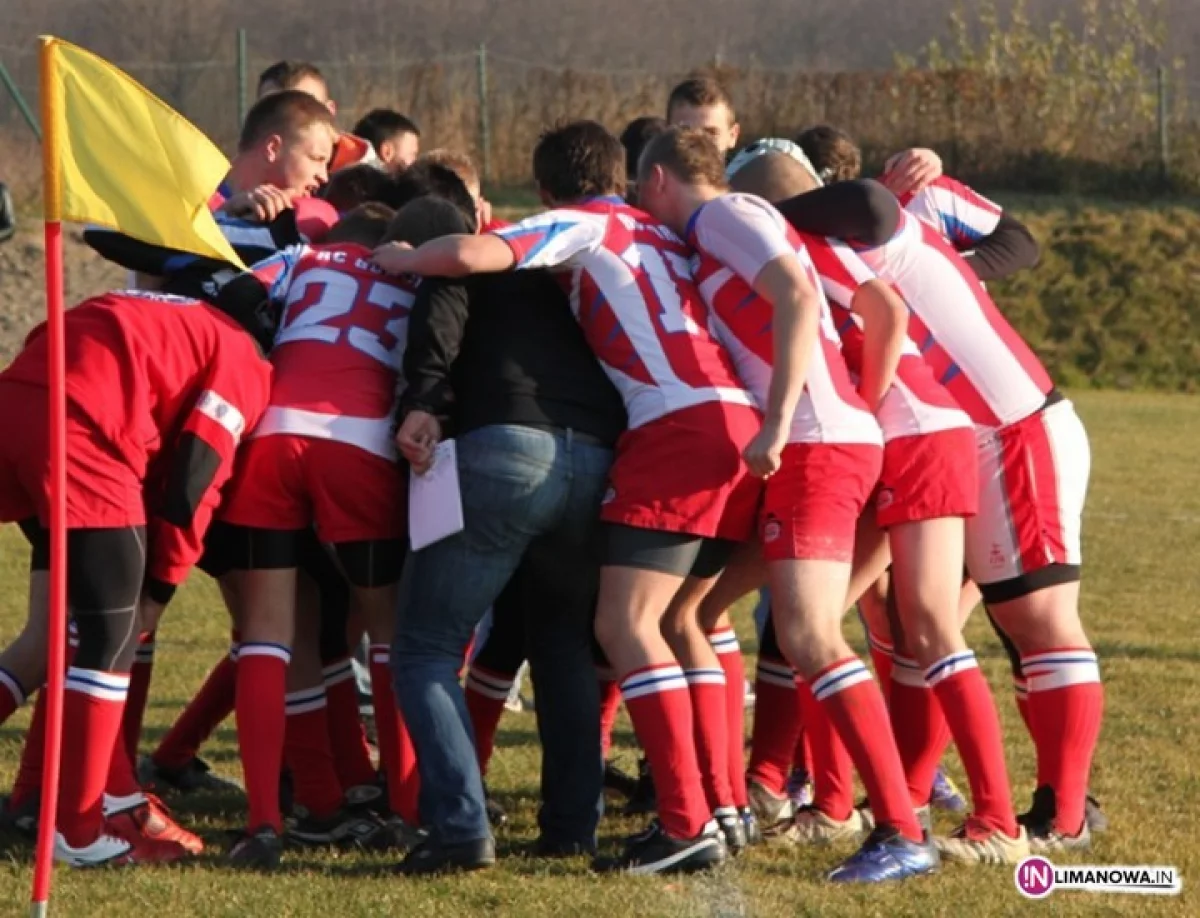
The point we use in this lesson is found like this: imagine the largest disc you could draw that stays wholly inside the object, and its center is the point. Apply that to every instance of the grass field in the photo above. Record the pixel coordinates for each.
(1140, 600)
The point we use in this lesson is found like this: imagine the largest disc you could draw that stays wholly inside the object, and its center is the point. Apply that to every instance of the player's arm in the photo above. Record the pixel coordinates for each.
(436, 327)
(199, 463)
(1009, 248)
(795, 325)
(447, 256)
(862, 210)
(885, 323)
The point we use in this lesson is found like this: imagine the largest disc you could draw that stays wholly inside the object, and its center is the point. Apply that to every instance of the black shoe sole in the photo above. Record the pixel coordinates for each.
(706, 855)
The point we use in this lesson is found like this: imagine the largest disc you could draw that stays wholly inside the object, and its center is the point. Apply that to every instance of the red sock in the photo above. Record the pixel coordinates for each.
(204, 713)
(307, 753)
(1066, 706)
(881, 661)
(397, 758)
(28, 783)
(660, 707)
(92, 706)
(729, 653)
(966, 701)
(486, 691)
(12, 694)
(776, 725)
(122, 775)
(709, 731)
(610, 706)
(829, 763)
(920, 728)
(802, 754)
(347, 738)
(855, 705)
(261, 727)
(1021, 696)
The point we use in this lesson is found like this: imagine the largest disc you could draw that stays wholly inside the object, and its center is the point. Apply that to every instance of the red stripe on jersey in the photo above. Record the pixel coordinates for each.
(603, 331)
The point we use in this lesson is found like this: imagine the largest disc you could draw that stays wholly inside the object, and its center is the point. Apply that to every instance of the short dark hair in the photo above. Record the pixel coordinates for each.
(426, 218)
(364, 225)
(579, 160)
(833, 153)
(422, 180)
(700, 91)
(283, 112)
(380, 125)
(348, 188)
(687, 153)
(286, 74)
(459, 163)
(638, 133)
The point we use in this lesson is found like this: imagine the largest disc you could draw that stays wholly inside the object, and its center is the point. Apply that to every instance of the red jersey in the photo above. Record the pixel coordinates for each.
(339, 350)
(631, 289)
(972, 350)
(960, 214)
(735, 237)
(915, 404)
(170, 385)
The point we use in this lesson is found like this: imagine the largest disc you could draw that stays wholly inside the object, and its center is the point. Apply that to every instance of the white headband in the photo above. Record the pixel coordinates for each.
(767, 146)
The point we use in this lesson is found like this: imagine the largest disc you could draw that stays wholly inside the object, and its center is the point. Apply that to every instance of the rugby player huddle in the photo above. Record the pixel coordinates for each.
(822, 399)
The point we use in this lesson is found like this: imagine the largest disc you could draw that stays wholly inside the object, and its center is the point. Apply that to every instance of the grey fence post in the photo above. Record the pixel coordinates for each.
(485, 125)
(26, 112)
(241, 77)
(1164, 152)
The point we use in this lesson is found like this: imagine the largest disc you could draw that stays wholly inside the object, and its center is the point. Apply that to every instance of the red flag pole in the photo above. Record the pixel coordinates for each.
(57, 407)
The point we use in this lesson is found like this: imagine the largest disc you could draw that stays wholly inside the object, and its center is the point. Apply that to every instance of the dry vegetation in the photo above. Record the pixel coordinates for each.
(1056, 96)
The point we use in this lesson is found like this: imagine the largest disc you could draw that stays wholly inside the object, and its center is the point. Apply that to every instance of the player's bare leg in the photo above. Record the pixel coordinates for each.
(266, 620)
(927, 578)
(1066, 702)
(629, 617)
(705, 675)
(23, 662)
(840, 702)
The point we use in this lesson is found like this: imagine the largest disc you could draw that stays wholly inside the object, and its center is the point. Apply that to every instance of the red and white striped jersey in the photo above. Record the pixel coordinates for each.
(339, 350)
(972, 350)
(959, 213)
(735, 236)
(630, 286)
(916, 403)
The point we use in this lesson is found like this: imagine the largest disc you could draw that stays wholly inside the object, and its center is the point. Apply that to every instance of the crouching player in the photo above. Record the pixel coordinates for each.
(160, 389)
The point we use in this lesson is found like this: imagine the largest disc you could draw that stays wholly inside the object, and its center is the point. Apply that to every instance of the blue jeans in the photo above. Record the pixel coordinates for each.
(531, 499)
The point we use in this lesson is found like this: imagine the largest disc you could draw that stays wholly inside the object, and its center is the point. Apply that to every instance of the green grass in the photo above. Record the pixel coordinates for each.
(1143, 526)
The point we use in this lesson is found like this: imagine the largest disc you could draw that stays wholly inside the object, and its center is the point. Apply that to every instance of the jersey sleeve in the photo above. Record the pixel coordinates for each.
(277, 272)
(553, 239)
(743, 233)
(964, 215)
(314, 218)
(839, 267)
(200, 461)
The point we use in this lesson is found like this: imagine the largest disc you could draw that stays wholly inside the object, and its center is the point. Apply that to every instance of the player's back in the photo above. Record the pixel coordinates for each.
(138, 361)
(342, 331)
(973, 351)
(643, 316)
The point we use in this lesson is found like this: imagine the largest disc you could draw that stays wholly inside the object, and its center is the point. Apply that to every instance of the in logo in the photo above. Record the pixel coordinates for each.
(1035, 877)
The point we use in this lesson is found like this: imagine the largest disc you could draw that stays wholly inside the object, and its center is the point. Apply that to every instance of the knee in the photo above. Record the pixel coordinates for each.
(107, 640)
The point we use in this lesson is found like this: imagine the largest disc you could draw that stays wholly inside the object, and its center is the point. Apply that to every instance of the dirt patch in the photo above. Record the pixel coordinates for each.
(23, 283)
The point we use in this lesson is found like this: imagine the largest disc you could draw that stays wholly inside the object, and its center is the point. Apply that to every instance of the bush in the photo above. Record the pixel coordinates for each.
(1113, 303)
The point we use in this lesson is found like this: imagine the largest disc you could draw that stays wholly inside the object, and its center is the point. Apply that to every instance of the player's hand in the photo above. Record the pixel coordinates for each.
(483, 213)
(392, 257)
(416, 439)
(264, 203)
(911, 171)
(764, 453)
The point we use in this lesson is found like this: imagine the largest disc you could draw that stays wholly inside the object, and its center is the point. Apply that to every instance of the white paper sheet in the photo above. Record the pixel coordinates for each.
(434, 499)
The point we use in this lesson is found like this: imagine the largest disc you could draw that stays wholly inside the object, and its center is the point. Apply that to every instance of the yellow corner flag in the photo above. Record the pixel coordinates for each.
(118, 156)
